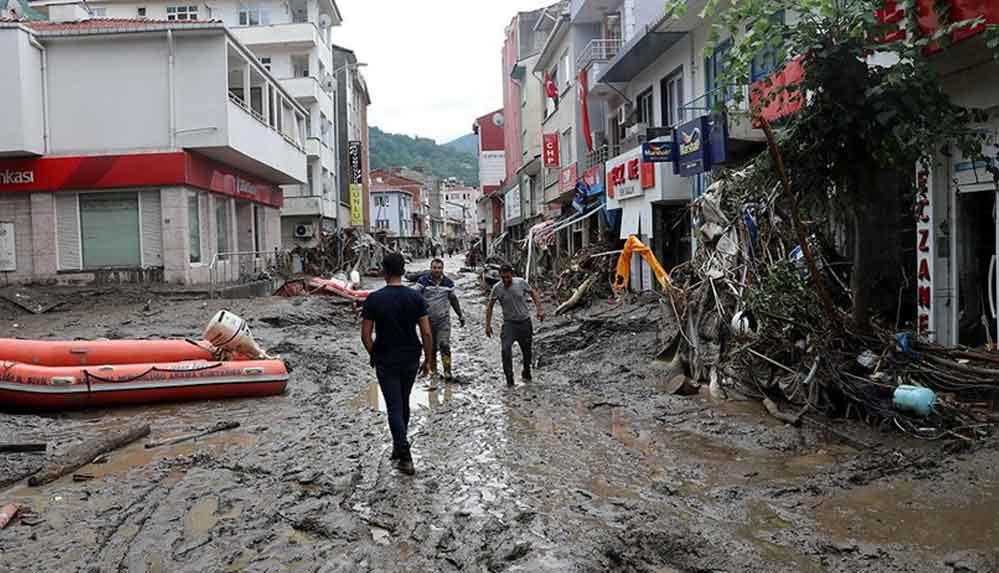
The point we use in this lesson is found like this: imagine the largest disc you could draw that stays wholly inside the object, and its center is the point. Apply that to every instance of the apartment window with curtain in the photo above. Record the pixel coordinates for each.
(253, 15)
(194, 226)
(565, 149)
(182, 13)
(671, 91)
(644, 107)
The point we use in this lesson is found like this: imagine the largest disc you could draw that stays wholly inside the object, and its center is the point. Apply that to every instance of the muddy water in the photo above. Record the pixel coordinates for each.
(588, 468)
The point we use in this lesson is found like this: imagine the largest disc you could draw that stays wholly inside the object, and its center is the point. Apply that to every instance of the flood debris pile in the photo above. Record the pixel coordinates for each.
(343, 251)
(745, 314)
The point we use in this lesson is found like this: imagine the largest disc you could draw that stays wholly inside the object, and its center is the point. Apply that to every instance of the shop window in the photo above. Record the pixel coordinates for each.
(109, 229)
(194, 226)
(182, 13)
(222, 224)
(140, 12)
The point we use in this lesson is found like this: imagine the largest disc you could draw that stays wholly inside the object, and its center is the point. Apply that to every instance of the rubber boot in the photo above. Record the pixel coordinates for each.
(446, 361)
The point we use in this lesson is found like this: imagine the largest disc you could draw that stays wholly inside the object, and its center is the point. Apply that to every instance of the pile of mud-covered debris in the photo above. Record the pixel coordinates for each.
(343, 251)
(747, 315)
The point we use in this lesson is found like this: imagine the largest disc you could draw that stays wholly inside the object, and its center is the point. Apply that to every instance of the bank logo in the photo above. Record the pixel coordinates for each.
(8, 177)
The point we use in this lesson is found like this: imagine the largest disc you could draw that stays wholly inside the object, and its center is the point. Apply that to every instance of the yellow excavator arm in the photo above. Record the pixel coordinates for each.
(631, 247)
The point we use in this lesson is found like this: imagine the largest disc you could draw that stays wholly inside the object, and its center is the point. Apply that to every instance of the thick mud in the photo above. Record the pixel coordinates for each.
(591, 467)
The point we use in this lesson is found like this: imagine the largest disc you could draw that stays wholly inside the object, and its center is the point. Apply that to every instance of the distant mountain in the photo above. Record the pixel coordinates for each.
(396, 150)
(466, 144)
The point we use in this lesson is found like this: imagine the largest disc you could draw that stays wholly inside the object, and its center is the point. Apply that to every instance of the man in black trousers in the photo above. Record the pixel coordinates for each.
(393, 313)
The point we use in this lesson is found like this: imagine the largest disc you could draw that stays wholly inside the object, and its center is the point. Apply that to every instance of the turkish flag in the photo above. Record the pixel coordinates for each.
(551, 89)
(584, 108)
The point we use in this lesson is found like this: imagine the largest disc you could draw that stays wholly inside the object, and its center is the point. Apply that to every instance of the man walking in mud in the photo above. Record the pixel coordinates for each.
(517, 327)
(393, 313)
(438, 290)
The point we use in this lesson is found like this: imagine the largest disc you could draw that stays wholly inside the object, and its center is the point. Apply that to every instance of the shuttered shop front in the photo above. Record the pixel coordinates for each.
(119, 229)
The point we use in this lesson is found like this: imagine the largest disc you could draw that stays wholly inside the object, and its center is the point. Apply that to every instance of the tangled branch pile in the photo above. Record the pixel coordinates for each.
(744, 313)
(343, 251)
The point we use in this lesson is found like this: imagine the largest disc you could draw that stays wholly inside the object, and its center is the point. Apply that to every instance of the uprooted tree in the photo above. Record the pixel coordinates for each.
(870, 109)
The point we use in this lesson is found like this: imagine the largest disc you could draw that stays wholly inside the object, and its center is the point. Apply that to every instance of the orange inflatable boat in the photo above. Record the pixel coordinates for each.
(86, 352)
(46, 388)
(337, 287)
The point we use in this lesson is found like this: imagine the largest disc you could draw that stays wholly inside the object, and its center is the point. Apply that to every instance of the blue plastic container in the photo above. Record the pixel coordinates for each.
(915, 399)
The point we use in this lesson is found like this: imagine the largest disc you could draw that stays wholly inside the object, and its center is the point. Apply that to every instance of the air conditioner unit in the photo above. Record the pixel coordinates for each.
(305, 231)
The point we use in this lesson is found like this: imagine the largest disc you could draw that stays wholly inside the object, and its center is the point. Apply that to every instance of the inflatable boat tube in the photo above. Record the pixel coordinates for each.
(86, 352)
(29, 387)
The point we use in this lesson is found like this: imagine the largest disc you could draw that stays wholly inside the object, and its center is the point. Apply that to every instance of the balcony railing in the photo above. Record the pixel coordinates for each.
(260, 118)
(598, 50)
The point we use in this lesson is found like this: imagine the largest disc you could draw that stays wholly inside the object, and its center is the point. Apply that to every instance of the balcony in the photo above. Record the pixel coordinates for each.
(307, 91)
(594, 59)
(315, 149)
(259, 148)
(302, 36)
(740, 124)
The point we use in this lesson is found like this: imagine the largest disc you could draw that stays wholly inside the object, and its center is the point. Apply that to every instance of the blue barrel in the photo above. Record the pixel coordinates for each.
(915, 399)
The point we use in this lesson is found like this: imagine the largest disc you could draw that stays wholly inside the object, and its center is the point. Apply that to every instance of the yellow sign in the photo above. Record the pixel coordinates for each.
(356, 205)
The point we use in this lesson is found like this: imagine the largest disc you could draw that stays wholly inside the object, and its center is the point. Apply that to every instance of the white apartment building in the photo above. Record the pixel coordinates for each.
(292, 41)
(392, 212)
(461, 203)
(177, 152)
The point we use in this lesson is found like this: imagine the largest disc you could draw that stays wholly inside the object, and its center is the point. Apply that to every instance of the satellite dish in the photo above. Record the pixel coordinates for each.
(498, 119)
(325, 21)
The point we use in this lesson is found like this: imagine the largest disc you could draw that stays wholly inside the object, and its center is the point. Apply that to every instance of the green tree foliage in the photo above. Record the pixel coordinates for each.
(859, 121)
(395, 150)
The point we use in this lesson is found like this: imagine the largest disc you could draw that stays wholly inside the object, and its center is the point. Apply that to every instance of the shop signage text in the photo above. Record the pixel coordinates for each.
(244, 186)
(629, 176)
(550, 150)
(8, 177)
(924, 256)
(511, 203)
(354, 152)
(691, 150)
(657, 151)
(356, 184)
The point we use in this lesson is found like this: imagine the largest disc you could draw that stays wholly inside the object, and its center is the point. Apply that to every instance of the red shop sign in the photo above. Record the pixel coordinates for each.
(551, 150)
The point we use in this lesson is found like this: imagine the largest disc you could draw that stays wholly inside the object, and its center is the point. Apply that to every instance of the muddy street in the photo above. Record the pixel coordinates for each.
(591, 467)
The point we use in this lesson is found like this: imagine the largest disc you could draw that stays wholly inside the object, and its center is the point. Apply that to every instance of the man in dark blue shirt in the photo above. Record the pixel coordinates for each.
(393, 314)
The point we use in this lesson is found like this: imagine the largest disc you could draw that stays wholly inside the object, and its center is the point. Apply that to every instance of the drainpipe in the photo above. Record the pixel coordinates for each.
(171, 84)
(45, 93)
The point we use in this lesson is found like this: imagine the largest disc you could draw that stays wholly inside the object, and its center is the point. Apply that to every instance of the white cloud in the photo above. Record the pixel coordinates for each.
(433, 65)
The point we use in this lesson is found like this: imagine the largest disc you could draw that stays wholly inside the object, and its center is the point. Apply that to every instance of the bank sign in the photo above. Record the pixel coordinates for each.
(699, 145)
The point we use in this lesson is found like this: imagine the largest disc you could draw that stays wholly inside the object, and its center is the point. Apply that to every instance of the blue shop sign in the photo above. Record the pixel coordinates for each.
(692, 149)
(657, 151)
(700, 144)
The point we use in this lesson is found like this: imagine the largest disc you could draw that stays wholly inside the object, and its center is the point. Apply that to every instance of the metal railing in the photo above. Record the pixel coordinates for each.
(735, 97)
(240, 267)
(598, 50)
(260, 118)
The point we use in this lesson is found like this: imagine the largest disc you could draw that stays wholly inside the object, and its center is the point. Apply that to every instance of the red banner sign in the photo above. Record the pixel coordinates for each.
(128, 171)
(550, 150)
(568, 178)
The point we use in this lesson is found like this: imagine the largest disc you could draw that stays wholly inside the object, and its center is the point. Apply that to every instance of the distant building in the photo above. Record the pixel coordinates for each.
(353, 157)
(492, 172)
(178, 152)
(391, 211)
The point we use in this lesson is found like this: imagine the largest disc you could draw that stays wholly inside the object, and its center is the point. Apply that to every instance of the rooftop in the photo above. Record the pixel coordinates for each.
(110, 25)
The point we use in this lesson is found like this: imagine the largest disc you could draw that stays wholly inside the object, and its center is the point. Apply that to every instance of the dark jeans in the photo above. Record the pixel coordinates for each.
(521, 332)
(396, 383)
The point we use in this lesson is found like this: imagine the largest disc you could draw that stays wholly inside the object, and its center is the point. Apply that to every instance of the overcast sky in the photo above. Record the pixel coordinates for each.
(433, 65)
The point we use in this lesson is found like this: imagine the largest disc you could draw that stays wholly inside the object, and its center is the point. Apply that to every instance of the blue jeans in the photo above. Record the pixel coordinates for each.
(396, 383)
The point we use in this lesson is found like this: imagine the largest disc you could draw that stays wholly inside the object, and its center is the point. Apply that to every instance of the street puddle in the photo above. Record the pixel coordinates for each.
(912, 513)
(762, 525)
(421, 397)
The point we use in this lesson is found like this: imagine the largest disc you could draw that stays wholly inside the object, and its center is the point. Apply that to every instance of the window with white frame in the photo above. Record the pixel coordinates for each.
(140, 12)
(565, 148)
(643, 104)
(182, 13)
(671, 88)
(266, 63)
(253, 15)
(565, 70)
